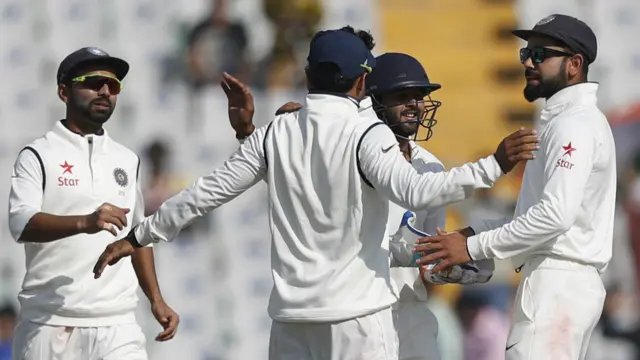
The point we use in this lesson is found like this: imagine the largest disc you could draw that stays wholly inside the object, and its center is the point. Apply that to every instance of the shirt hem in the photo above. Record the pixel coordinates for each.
(321, 316)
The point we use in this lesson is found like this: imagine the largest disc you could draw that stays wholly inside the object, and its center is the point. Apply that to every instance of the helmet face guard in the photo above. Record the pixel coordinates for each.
(426, 119)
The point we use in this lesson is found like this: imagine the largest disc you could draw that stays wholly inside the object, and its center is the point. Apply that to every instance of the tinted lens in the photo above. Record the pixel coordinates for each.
(524, 54)
(538, 55)
(97, 82)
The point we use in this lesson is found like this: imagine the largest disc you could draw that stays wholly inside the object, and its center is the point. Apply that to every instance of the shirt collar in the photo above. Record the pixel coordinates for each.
(571, 96)
(81, 141)
(366, 103)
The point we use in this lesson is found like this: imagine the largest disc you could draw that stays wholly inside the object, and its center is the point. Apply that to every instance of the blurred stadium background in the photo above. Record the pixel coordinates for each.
(172, 112)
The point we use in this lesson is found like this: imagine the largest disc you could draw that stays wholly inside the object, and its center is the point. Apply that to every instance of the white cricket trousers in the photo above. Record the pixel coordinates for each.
(370, 337)
(417, 330)
(45, 342)
(559, 303)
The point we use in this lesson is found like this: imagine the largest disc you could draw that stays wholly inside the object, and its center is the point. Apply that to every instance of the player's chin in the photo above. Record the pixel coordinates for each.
(532, 91)
(100, 116)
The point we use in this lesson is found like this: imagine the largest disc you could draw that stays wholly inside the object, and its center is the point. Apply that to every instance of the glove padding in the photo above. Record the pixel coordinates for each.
(401, 247)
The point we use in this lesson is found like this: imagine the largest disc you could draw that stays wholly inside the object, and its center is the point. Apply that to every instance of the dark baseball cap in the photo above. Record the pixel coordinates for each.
(577, 35)
(342, 48)
(90, 56)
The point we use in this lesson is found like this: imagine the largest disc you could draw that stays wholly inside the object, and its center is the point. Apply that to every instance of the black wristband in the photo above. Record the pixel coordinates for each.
(131, 238)
(499, 164)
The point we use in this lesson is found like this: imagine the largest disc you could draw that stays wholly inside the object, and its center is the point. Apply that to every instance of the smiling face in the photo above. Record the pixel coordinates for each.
(549, 67)
(404, 110)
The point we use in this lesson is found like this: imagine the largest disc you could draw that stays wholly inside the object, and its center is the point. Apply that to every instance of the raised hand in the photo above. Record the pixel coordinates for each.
(240, 105)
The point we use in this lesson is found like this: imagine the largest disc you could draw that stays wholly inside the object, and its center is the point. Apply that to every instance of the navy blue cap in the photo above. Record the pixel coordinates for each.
(397, 71)
(87, 56)
(577, 35)
(342, 48)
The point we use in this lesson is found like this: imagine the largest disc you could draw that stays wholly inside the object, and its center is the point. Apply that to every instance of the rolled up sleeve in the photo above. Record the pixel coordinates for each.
(25, 198)
(384, 166)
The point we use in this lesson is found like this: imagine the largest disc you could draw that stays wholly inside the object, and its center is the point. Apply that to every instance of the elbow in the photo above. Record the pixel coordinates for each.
(20, 235)
(563, 218)
(19, 220)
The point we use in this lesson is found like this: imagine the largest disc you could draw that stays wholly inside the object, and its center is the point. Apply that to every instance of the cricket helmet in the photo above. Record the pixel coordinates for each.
(397, 72)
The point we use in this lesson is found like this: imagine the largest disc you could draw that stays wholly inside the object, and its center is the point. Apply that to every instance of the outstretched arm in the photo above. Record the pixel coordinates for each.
(390, 174)
(244, 169)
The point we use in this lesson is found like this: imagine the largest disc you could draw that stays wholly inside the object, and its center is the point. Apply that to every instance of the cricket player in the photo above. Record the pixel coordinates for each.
(404, 104)
(400, 89)
(330, 174)
(73, 191)
(560, 236)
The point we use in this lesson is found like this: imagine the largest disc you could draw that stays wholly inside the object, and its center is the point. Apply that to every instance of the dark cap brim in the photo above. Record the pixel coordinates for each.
(120, 67)
(526, 34)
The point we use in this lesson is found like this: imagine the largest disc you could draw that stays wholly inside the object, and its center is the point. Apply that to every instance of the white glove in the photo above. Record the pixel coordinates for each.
(401, 246)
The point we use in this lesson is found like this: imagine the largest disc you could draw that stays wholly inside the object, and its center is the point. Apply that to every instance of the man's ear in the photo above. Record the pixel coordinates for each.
(575, 65)
(63, 93)
(361, 84)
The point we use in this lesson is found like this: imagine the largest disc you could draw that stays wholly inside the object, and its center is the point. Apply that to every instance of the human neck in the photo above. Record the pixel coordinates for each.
(82, 127)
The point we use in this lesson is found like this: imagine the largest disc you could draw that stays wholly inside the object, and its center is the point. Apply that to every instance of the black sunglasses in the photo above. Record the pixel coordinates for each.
(539, 54)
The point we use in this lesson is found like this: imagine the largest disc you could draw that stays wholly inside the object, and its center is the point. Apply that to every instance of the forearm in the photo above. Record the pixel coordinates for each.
(144, 266)
(541, 223)
(44, 228)
(431, 190)
(243, 170)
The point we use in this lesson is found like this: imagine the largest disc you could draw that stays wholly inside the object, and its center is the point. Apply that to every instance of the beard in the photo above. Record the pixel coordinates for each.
(545, 88)
(401, 128)
(89, 112)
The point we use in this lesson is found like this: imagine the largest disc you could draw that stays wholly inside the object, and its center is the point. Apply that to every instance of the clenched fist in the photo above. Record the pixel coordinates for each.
(106, 217)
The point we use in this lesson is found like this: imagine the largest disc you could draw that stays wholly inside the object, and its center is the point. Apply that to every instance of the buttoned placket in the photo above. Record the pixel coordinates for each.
(94, 179)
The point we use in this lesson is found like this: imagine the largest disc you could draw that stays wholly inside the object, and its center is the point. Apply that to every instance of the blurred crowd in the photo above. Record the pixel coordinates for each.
(474, 320)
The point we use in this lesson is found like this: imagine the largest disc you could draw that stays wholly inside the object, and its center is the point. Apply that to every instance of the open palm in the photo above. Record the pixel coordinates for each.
(240, 104)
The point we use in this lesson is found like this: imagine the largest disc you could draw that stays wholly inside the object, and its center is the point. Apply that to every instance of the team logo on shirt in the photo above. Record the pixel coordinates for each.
(64, 179)
(568, 150)
(121, 177)
(67, 168)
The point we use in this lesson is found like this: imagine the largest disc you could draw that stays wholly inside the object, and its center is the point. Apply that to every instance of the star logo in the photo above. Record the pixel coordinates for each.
(67, 168)
(568, 149)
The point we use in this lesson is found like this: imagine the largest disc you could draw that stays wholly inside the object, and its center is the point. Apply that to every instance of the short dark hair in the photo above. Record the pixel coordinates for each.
(585, 67)
(365, 36)
(325, 76)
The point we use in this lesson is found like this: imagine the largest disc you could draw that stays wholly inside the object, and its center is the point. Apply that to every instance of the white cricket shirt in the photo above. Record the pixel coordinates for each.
(330, 258)
(567, 200)
(64, 173)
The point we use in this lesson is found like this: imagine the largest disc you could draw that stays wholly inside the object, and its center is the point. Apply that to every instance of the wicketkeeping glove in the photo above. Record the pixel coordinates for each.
(401, 247)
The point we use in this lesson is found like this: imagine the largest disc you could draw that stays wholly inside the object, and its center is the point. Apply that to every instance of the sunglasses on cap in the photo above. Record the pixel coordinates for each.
(95, 82)
(539, 54)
